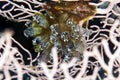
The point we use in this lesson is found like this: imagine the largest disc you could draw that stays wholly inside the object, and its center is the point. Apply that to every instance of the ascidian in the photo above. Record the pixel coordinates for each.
(61, 26)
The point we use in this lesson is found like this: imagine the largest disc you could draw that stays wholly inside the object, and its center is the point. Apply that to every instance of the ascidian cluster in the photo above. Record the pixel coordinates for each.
(59, 27)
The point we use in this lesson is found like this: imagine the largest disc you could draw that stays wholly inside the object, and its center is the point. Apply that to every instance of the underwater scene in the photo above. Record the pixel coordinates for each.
(59, 39)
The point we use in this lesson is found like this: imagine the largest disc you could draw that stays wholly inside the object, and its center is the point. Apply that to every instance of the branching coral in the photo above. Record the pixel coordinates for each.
(105, 58)
(19, 10)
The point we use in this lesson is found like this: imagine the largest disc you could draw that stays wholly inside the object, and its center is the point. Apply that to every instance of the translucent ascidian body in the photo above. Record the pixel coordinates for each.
(59, 27)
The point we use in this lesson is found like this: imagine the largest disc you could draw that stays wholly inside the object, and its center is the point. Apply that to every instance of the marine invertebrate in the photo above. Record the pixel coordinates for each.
(60, 27)
(105, 32)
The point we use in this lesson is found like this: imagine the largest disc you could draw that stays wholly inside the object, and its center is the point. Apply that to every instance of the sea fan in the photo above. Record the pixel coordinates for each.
(101, 57)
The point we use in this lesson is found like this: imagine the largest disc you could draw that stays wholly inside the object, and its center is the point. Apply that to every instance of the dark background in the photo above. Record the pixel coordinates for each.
(18, 29)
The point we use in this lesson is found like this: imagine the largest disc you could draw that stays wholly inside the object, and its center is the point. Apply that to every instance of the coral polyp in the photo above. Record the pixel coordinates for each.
(59, 27)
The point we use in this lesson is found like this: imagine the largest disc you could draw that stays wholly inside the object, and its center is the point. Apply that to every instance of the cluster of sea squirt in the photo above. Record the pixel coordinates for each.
(59, 27)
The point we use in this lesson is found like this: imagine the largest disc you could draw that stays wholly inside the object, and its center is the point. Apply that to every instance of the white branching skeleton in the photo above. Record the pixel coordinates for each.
(19, 10)
(11, 60)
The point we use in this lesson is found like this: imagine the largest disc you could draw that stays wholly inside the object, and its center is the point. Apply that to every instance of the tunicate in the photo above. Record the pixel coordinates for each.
(65, 36)
(75, 31)
(29, 32)
(41, 20)
(53, 39)
(69, 22)
(54, 29)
